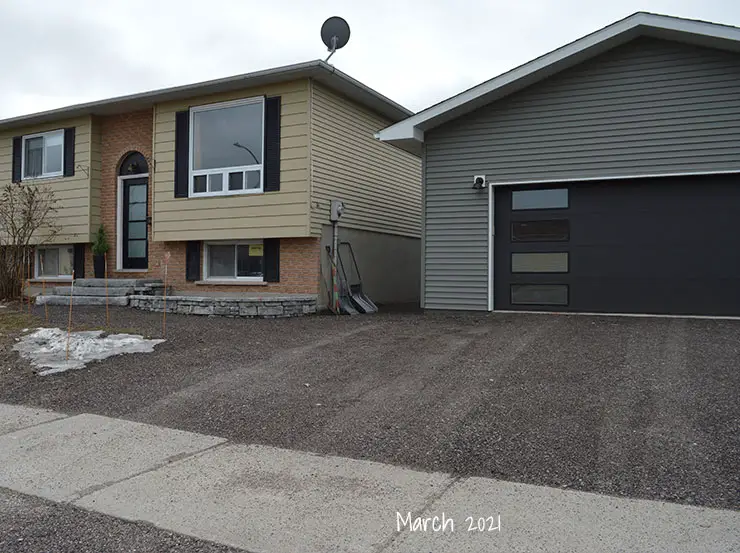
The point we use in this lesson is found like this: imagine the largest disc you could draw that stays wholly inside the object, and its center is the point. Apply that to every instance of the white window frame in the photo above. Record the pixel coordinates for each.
(43, 175)
(37, 263)
(224, 171)
(206, 269)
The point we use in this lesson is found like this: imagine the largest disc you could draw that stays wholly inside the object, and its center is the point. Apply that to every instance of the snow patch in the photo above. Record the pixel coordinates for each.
(46, 348)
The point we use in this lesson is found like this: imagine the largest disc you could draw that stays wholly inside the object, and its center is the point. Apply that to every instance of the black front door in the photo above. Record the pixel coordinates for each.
(135, 243)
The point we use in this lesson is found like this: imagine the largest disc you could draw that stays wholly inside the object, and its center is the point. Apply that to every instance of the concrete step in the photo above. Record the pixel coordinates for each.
(115, 282)
(121, 301)
(91, 291)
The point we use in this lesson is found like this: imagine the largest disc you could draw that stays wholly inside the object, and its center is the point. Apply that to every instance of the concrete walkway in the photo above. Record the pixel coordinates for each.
(269, 500)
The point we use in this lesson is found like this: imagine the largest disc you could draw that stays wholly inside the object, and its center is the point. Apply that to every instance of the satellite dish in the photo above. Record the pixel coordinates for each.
(335, 34)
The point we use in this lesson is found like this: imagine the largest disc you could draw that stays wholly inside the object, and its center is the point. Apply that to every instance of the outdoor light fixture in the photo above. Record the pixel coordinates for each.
(479, 182)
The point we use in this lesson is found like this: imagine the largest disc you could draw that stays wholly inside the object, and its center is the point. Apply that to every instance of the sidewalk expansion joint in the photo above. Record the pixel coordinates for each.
(168, 461)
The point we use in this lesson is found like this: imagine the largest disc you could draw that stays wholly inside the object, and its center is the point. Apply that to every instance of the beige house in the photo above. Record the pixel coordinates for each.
(230, 180)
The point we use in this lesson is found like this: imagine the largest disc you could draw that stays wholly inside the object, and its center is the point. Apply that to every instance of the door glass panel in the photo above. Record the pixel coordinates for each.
(540, 231)
(137, 212)
(539, 262)
(137, 193)
(539, 294)
(137, 230)
(552, 198)
(137, 248)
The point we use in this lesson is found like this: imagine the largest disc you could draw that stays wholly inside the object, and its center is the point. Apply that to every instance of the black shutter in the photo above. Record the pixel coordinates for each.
(182, 154)
(272, 259)
(79, 260)
(192, 261)
(69, 152)
(272, 144)
(17, 158)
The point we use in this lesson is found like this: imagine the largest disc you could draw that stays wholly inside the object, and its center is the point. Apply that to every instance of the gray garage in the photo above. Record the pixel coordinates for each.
(600, 177)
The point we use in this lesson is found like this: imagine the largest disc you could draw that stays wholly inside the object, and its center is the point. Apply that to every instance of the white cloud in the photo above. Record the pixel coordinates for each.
(416, 52)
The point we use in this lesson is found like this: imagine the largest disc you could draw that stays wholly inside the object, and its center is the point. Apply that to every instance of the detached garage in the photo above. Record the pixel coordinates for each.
(602, 177)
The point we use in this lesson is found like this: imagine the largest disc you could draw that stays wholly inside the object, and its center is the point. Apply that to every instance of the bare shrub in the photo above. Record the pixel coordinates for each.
(27, 219)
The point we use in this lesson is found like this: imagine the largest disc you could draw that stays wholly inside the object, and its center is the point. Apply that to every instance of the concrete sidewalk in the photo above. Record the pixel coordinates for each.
(269, 500)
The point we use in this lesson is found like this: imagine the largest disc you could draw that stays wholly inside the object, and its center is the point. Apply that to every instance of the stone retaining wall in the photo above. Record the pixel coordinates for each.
(263, 306)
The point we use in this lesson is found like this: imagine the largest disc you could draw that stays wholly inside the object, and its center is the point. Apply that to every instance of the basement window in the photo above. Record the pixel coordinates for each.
(54, 262)
(227, 146)
(241, 261)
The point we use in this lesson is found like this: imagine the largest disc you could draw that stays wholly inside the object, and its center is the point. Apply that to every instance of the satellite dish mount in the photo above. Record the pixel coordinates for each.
(334, 34)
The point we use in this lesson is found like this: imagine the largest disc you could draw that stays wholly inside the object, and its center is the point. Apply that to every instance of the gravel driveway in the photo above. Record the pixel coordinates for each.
(640, 407)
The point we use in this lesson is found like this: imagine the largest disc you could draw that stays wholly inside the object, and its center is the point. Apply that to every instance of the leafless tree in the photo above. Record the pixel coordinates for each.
(27, 219)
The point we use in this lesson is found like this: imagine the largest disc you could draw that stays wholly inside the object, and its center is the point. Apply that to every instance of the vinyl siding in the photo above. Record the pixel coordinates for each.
(72, 194)
(649, 107)
(273, 214)
(379, 184)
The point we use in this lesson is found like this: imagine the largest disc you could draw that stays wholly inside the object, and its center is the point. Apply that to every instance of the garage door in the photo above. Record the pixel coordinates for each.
(668, 245)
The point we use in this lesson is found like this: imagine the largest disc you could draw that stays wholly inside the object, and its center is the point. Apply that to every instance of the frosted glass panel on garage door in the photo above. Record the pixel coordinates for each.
(555, 262)
(551, 198)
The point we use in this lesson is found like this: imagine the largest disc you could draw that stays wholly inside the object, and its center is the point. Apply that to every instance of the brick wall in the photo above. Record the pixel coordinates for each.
(299, 269)
(121, 134)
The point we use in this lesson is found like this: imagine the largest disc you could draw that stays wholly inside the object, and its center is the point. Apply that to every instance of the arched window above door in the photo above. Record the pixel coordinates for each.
(134, 163)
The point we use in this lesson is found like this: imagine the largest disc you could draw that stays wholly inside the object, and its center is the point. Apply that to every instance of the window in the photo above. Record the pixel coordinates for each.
(240, 261)
(539, 294)
(540, 231)
(55, 262)
(227, 146)
(539, 262)
(553, 198)
(43, 155)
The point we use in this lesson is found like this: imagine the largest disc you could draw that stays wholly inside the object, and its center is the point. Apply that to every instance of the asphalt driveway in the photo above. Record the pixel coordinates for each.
(639, 407)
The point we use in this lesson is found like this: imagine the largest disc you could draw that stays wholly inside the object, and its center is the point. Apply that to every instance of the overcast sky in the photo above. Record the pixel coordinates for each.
(417, 52)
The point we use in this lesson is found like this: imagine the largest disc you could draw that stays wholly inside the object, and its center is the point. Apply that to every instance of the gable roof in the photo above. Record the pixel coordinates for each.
(409, 133)
(316, 69)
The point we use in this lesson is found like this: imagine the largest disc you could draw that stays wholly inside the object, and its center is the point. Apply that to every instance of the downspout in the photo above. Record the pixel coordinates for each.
(490, 247)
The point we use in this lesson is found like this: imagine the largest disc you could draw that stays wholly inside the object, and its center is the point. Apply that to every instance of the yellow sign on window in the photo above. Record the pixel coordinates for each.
(256, 250)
